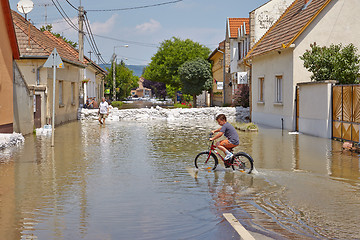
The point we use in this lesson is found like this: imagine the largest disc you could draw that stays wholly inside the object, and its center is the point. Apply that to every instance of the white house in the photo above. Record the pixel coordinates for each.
(276, 66)
(237, 36)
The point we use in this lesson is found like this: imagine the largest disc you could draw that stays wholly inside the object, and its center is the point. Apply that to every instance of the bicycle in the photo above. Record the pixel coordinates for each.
(208, 160)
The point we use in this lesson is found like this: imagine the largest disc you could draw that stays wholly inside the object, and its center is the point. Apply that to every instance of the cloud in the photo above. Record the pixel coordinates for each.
(106, 27)
(149, 27)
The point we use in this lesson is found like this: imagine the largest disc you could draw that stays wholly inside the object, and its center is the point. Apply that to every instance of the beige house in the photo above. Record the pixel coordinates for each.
(216, 97)
(35, 47)
(276, 66)
(8, 52)
(141, 91)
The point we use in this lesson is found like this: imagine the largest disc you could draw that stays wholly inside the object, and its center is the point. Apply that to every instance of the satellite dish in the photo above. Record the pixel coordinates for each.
(25, 6)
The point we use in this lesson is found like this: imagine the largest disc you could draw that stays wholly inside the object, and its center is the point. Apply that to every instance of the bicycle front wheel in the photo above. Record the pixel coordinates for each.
(242, 162)
(206, 161)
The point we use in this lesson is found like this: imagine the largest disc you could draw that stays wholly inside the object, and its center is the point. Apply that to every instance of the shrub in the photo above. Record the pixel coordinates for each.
(183, 105)
(117, 104)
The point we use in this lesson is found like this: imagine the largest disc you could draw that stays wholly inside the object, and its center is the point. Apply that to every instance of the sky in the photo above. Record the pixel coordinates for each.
(142, 29)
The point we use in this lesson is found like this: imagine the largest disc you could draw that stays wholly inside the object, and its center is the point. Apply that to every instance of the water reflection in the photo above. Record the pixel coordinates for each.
(130, 180)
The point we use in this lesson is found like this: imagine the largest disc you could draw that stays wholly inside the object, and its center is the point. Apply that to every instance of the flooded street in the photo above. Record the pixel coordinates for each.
(136, 180)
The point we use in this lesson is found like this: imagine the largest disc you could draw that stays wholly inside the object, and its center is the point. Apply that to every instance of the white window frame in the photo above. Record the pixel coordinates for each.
(261, 88)
(279, 85)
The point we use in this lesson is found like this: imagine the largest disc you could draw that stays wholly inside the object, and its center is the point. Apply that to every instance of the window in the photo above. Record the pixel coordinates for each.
(72, 93)
(278, 89)
(261, 89)
(60, 92)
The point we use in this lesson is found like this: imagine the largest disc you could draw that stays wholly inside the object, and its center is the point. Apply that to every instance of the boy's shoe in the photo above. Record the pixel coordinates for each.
(228, 156)
(227, 163)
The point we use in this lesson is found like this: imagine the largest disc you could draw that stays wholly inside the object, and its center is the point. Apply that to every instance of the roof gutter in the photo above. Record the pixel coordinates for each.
(46, 57)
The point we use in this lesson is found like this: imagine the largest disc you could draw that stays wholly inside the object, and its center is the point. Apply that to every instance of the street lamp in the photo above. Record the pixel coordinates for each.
(113, 58)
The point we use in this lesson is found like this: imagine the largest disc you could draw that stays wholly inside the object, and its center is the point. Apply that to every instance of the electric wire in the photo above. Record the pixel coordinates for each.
(128, 41)
(133, 8)
(72, 5)
(91, 39)
(66, 17)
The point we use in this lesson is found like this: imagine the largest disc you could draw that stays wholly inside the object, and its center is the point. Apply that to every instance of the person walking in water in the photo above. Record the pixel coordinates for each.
(103, 110)
(230, 133)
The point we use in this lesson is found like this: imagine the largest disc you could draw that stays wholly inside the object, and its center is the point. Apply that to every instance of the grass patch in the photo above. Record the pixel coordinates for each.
(245, 126)
(117, 104)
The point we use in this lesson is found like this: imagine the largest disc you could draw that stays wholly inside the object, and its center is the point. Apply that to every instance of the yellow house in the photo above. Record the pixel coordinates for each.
(8, 52)
(216, 57)
(35, 47)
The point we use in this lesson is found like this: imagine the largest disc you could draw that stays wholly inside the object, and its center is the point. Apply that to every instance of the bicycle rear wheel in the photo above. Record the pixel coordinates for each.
(242, 162)
(206, 161)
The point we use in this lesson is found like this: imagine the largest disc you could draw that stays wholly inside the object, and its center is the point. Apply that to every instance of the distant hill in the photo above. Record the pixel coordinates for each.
(136, 68)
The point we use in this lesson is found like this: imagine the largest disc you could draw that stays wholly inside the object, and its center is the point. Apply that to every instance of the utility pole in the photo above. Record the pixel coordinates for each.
(90, 52)
(114, 80)
(81, 52)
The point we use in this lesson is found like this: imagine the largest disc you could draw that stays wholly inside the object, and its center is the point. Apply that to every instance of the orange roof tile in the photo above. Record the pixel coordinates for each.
(34, 43)
(288, 27)
(235, 23)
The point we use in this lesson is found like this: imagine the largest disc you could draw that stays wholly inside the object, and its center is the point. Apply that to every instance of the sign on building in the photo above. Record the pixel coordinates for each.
(242, 78)
(220, 85)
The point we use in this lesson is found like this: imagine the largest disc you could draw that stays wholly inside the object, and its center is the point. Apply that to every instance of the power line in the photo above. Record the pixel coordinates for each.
(66, 17)
(72, 5)
(133, 8)
(128, 41)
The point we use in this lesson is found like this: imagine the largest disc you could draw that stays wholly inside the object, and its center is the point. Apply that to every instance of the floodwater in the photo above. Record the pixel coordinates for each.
(131, 180)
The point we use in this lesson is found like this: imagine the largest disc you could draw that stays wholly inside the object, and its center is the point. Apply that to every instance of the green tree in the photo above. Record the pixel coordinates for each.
(124, 80)
(58, 35)
(195, 76)
(170, 56)
(333, 63)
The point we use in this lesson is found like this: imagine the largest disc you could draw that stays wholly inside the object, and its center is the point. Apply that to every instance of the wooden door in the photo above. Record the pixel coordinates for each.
(37, 113)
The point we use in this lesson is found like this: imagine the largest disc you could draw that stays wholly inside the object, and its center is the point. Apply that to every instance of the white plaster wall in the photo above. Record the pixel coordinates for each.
(234, 55)
(337, 23)
(91, 85)
(267, 15)
(315, 109)
(270, 113)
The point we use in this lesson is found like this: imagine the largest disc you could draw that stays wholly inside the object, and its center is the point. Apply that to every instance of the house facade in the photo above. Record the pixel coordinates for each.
(276, 66)
(8, 52)
(216, 97)
(237, 36)
(141, 91)
(35, 47)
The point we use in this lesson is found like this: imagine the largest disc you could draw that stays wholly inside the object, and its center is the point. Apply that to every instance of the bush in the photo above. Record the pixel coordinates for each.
(117, 104)
(183, 105)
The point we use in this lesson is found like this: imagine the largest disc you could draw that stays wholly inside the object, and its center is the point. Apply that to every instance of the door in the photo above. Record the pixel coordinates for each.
(37, 113)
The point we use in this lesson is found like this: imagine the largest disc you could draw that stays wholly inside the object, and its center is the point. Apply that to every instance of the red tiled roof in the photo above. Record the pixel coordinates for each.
(235, 23)
(41, 45)
(288, 27)
(10, 28)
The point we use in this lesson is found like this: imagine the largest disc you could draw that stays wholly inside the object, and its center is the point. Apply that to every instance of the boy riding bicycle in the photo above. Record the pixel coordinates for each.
(230, 133)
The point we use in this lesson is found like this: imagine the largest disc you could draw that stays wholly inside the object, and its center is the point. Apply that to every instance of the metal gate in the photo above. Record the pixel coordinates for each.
(346, 112)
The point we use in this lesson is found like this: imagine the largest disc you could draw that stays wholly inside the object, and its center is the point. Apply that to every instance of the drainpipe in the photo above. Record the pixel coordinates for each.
(282, 123)
(223, 73)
